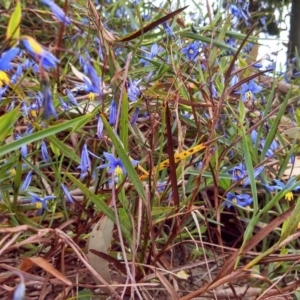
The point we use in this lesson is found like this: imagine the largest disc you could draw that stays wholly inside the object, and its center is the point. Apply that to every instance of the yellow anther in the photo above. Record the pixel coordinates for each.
(92, 96)
(4, 79)
(289, 196)
(118, 170)
(249, 95)
(38, 205)
(33, 113)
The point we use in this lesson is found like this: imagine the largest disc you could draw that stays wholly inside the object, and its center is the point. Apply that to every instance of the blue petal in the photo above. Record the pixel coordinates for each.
(7, 57)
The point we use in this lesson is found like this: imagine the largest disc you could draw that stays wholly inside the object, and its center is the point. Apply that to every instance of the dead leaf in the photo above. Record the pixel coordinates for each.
(292, 170)
(44, 264)
(291, 133)
(100, 240)
(167, 285)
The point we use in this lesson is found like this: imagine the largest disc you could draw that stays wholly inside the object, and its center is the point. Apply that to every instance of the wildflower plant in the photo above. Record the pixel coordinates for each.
(133, 134)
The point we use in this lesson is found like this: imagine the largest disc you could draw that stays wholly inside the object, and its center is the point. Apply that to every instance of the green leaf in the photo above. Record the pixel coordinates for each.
(13, 28)
(59, 147)
(7, 122)
(55, 149)
(124, 121)
(42, 134)
(274, 125)
(297, 116)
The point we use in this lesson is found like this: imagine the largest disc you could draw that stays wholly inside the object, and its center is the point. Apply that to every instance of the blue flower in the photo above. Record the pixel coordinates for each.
(168, 29)
(20, 290)
(47, 59)
(249, 90)
(17, 75)
(33, 109)
(100, 51)
(27, 64)
(248, 47)
(41, 202)
(234, 80)
(112, 113)
(161, 186)
(257, 65)
(12, 104)
(67, 193)
(154, 50)
(213, 90)
(39, 99)
(272, 148)
(238, 172)
(48, 106)
(99, 127)
(87, 55)
(135, 116)
(256, 172)
(191, 50)
(27, 181)
(7, 57)
(151, 55)
(241, 13)
(71, 97)
(121, 12)
(24, 148)
(24, 108)
(254, 136)
(133, 90)
(85, 164)
(44, 151)
(94, 85)
(285, 186)
(57, 11)
(234, 10)
(242, 200)
(65, 106)
(115, 165)
(2, 90)
(231, 42)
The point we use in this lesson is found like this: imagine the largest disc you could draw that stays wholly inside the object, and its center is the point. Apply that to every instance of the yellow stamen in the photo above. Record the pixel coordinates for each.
(118, 170)
(289, 196)
(38, 205)
(33, 113)
(4, 79)
(92, 96)
(234, 201)
(249, 95)
(237, 173)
